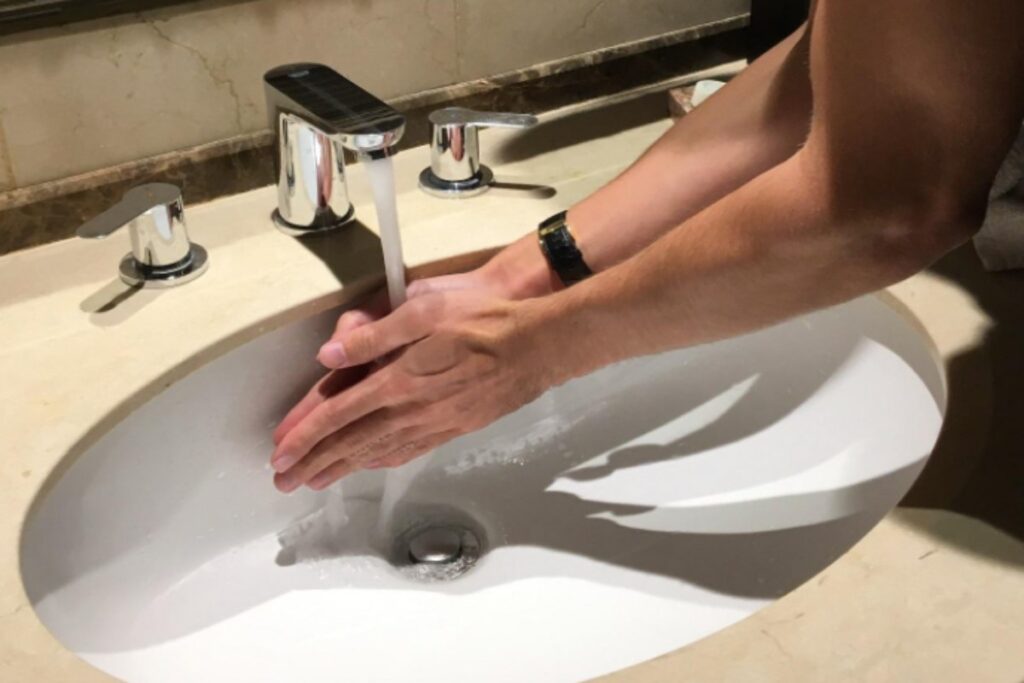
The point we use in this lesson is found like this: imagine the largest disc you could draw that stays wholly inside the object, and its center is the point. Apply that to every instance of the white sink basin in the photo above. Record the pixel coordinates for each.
(625, 514)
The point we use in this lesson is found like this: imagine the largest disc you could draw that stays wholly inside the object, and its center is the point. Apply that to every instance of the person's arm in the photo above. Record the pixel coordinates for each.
(757, 120)
(915, 105)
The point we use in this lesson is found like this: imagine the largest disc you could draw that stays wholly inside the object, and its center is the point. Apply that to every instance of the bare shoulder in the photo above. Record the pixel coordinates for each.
(918, 89)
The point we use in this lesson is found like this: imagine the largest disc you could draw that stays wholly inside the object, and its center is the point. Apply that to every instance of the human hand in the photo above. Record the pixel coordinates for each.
(481, 280)
(466, 358)
(484, 279)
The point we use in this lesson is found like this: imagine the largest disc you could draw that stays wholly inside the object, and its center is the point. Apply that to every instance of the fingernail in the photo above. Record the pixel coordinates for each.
(318, 485)
(286, 484)
(332, 354)
(283, 461)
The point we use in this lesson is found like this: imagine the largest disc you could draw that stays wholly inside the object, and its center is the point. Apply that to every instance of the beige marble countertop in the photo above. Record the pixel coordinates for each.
(927, 595)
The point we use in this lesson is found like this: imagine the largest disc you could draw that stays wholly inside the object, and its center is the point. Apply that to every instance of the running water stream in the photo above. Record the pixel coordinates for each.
(381, 174)
(335, 514)
(382, 181)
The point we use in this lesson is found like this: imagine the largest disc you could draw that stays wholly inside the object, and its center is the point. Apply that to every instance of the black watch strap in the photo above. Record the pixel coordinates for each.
(560, 250)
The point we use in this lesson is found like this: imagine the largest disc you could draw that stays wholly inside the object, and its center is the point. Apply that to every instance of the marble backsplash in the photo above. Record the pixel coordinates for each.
(51, 210)
(96, 94)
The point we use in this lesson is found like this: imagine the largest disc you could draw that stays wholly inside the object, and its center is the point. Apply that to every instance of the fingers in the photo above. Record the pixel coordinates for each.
(420, 288)
(374, 340)
(331, 474)
(409, 449)
(375, 308)
(375, 433)
(442, 283)
(330, 385)
(329, 416)
(348, 321)
(413, 450)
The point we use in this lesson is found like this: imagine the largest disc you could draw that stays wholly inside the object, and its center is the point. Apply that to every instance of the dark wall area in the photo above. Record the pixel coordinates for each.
(773, 20)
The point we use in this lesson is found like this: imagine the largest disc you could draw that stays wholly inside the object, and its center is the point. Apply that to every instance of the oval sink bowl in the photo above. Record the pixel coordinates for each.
(616, 518)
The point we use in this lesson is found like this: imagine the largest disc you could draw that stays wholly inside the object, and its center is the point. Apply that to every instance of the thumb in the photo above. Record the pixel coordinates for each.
(375, 308)
(373, 340)
(442, 283)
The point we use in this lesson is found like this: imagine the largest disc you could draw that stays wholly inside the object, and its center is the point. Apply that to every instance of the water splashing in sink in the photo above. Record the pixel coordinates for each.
(396, 484)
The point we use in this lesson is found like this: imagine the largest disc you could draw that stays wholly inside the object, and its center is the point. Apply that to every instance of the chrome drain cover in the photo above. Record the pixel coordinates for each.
(436, 545)
(437, 551)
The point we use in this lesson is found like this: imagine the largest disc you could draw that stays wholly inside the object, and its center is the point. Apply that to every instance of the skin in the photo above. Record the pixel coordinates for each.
(851, 156)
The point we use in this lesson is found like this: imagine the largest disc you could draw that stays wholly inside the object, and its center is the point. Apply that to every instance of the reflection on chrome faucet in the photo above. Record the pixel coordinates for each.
(317, 114)
(161, 255)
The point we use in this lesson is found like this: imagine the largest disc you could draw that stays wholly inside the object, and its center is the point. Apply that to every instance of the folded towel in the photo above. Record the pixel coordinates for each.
(1000, 242)
(683, 100)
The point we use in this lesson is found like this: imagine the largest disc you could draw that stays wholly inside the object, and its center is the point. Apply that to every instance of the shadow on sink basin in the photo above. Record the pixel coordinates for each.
(722, 475)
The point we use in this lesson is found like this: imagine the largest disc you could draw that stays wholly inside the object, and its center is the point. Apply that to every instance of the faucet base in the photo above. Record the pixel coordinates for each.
(293, 230)
(162, 277)
(456, 189)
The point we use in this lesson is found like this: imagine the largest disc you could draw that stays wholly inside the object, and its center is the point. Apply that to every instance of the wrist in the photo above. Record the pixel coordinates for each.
(519, 271)
(559, 337)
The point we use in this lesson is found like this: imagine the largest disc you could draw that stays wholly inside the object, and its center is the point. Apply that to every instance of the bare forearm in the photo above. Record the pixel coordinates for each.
(758, 120)
(768, 251)
(879, 190)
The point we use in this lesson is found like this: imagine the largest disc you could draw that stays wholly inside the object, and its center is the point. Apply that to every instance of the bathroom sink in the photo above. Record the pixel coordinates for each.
(620, 516)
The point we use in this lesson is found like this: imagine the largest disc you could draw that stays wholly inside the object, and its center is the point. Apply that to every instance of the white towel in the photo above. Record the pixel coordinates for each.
(1000, 242)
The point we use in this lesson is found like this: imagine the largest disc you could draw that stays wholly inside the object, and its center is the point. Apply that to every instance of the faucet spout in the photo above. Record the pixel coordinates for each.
(328, 100)
(317, 113)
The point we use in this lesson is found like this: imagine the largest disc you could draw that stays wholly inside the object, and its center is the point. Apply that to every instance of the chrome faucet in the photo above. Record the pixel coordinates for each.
(161, 254)
(455, 168)
(316, 114)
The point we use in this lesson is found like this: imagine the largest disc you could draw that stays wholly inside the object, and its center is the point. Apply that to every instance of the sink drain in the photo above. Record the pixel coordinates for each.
(437, 551)
(438, 545)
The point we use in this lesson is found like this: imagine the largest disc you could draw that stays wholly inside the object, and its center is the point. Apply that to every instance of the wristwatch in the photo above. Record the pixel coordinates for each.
(560, 250)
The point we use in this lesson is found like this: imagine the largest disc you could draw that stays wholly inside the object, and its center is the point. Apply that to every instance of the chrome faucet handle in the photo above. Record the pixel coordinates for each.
(455, 168)
(460, 116)
(161, 254)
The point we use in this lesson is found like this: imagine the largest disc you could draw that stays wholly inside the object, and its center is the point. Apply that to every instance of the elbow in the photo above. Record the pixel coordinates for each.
(906, 237)
(897, 224)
